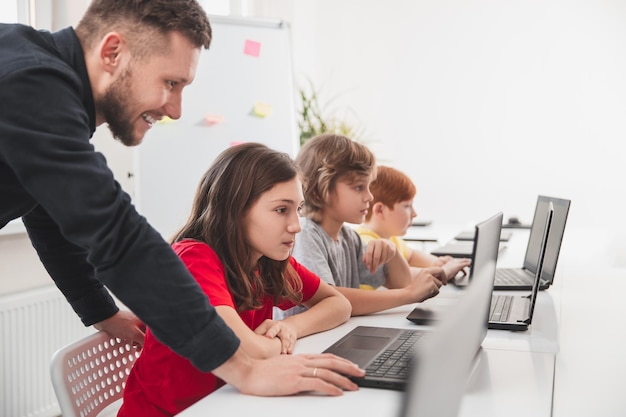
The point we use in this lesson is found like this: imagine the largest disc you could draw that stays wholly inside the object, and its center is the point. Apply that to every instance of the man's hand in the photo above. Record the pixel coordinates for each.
(289, 374)
(126, 326)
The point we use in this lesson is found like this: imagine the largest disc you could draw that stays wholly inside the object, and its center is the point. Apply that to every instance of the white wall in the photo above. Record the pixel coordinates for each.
(531, 93)
(484, 103)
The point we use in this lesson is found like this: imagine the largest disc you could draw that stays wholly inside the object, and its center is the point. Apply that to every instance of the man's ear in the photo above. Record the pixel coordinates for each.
(111, 47)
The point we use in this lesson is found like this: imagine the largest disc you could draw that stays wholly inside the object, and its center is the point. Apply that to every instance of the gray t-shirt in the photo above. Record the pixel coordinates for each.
(338, 263)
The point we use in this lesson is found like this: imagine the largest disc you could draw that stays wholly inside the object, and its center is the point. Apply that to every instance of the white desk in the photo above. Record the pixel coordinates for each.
(490, 392)
(576, 371)
(514, 376)
(591, 365)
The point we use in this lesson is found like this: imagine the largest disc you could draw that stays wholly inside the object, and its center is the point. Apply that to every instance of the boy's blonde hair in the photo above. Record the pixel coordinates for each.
(390, 187)
(326, 159)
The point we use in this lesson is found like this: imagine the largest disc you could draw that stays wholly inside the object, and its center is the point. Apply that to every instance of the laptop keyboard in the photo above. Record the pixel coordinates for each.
(396, 361)
(512, 276)
(500, 307)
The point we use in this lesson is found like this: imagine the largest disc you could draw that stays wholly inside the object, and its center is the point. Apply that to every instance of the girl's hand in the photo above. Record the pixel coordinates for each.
(279, 329)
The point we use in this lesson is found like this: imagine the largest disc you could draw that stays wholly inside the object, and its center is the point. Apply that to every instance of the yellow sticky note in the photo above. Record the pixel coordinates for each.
(166, 120)
(262, 109)
(213, 119)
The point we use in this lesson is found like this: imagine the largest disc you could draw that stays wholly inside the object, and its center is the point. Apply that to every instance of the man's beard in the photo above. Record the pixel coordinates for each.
(115, 109)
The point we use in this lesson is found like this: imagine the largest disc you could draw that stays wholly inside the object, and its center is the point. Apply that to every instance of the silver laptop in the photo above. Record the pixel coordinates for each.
(524, 277)
(387, 354)
(515, 312)
(444, 361)
(485, 251)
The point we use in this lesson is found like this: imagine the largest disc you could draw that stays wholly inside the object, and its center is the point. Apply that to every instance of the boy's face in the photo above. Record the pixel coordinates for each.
(273, 220)
(399, 218)
(350, 200)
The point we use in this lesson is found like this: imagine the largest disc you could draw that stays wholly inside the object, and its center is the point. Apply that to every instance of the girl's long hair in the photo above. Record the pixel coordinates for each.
(227, 191)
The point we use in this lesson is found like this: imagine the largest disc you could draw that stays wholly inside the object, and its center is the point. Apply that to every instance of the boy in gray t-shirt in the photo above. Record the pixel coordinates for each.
(337, 173)
(337, 262)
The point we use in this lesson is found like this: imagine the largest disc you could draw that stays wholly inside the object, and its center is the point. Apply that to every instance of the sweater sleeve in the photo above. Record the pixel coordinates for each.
(67, 265)
(45, 145)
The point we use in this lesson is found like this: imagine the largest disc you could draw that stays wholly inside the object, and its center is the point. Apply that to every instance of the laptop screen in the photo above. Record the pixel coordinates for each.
(541, 257)
(561, 210)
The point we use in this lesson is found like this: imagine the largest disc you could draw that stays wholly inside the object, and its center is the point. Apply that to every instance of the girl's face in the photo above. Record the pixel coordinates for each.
(350, 200)
(273, 220)
(400, 217)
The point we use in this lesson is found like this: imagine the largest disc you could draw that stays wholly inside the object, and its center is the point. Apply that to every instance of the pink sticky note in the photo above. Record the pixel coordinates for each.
(252, 48)
(213, 119)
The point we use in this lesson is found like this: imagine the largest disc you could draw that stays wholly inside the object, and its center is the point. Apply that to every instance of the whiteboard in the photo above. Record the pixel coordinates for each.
(243, 92)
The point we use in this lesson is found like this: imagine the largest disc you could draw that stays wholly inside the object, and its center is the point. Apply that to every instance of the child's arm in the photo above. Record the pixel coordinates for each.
(422, 259)
(255, 345)
(383, 251)
(326, 309)
(366, 302)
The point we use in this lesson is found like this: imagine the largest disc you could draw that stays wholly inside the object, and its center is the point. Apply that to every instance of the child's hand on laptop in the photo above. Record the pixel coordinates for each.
(426, 284)
(455, 267)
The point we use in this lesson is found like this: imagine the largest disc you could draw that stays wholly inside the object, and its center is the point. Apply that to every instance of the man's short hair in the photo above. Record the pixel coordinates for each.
(144, 23)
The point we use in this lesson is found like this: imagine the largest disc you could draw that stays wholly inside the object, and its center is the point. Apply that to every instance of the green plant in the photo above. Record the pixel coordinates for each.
(314, 121)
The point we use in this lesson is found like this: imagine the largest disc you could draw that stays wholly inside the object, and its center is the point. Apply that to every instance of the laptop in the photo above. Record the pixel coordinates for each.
(523, 278)
(515, 312)
(388, 354)
(468, 236)
(444, 362)
(462, 248)
(485, 252)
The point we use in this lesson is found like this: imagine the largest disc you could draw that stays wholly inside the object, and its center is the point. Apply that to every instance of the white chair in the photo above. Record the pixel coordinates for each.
(89, 375)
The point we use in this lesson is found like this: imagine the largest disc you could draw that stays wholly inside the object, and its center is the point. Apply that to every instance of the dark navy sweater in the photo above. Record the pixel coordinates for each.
(86, 232)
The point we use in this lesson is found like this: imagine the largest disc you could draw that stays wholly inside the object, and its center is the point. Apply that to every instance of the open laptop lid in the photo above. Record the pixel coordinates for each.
(486, 249)
(445, 358)
(547, 232)
(486, 246)
(561, 210)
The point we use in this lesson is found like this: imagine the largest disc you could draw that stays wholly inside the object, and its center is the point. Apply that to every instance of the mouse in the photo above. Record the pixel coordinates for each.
(514, 220)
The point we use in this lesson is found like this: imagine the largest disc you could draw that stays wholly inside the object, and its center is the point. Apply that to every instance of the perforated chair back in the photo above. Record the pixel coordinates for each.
(89, 375)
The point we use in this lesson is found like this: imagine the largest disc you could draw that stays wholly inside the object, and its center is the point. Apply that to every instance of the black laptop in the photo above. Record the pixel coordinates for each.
(515, 312)
(461, 248)
(485, 252)
(469, 236)
(387, 354)
(523, 278)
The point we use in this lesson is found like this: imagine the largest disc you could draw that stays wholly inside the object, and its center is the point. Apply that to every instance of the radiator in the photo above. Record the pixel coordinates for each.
(33, 325)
